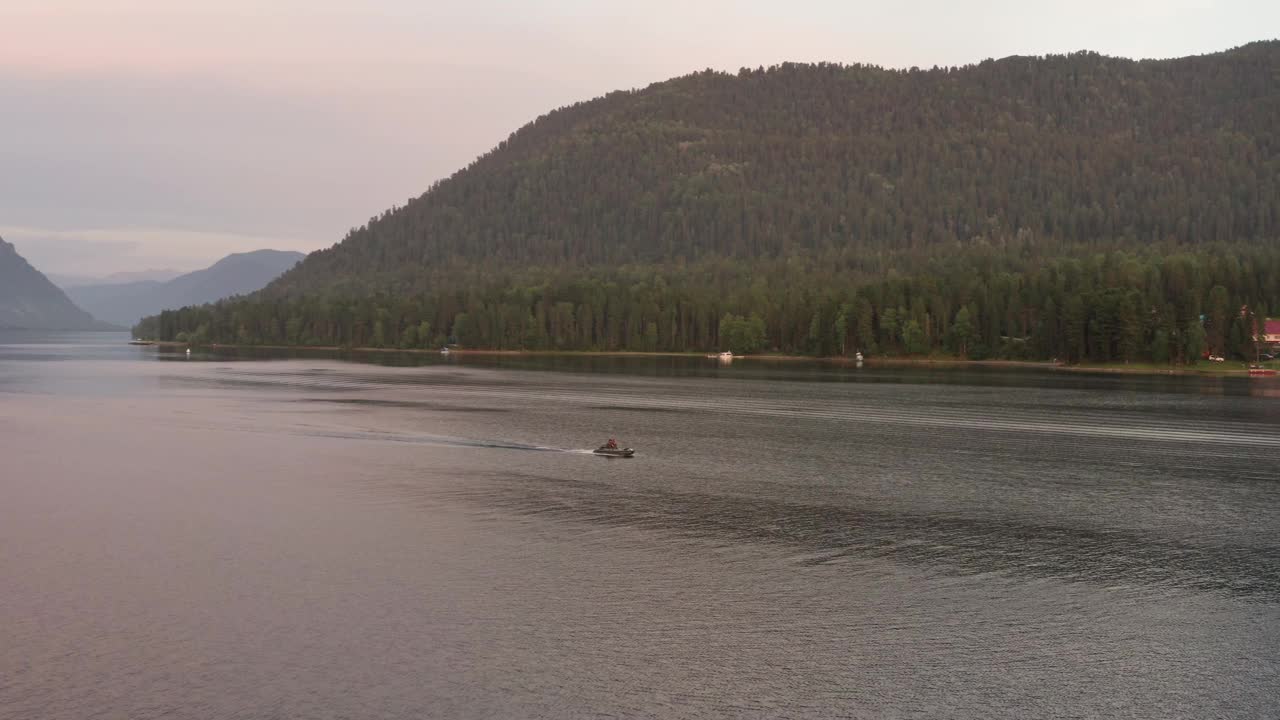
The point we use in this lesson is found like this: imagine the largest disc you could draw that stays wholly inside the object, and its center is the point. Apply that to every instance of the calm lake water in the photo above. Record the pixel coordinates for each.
(245, 537)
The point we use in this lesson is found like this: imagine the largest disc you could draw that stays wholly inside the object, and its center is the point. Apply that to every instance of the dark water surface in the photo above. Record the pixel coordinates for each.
(242, 537)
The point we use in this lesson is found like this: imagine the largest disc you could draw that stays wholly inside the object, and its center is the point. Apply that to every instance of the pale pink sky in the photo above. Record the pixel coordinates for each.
(163, 133)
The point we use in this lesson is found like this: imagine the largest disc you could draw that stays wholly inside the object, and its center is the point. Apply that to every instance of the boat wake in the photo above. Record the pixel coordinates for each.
(438, 440)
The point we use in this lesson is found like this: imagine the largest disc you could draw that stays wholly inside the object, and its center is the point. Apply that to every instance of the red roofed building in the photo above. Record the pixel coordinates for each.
(1271, 331)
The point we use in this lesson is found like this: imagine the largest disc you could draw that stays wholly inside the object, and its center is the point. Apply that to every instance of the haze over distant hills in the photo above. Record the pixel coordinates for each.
(29, 301)
(125, 303)
(1078, 206)
(120, 278)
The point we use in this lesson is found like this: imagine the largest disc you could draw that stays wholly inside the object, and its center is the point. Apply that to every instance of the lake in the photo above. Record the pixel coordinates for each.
(255, 536)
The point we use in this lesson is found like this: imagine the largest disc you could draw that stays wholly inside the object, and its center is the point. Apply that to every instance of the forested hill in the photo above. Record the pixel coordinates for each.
(832, 177)
(29, 301)
(766, 162)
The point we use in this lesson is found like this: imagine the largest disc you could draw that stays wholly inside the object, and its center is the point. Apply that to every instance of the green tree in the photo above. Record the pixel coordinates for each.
(465, 331)
(1219, 319)
(866, 336)
(962, 332)
(1160, 346)
(1193, 339)
(1130, 329)
(742, 336)
(1075, 322)
(409, 337)
(913, 338)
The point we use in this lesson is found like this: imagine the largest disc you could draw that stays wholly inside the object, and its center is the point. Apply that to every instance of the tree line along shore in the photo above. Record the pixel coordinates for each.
(1117, 307)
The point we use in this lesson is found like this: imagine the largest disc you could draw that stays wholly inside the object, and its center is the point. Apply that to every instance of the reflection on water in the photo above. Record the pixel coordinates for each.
(236, 535)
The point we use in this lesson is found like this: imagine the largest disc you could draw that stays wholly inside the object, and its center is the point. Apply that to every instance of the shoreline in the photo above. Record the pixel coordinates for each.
(1226, 370)
(422, 351)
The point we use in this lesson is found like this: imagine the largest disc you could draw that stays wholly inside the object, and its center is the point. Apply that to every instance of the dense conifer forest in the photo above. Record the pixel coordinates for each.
(1076, 207)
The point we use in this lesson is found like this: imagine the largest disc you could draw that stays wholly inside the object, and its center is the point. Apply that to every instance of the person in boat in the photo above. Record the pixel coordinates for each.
(612, 444)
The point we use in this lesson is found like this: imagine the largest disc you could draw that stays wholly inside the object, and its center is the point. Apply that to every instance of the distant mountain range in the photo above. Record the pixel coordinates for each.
(29, 301)
(120, 278)
(127, 302)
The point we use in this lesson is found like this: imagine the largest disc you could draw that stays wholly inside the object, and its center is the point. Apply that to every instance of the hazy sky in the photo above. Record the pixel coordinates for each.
(167, 133)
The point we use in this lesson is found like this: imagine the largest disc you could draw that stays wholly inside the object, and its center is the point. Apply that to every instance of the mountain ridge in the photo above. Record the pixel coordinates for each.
(235, 274)
(118, 278)
(29, 301)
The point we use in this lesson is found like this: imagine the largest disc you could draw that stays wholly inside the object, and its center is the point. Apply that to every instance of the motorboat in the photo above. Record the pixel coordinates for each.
(614, 451)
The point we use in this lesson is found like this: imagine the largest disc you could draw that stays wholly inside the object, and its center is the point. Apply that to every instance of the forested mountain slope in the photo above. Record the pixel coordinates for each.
(840, 204)
(29, 301)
